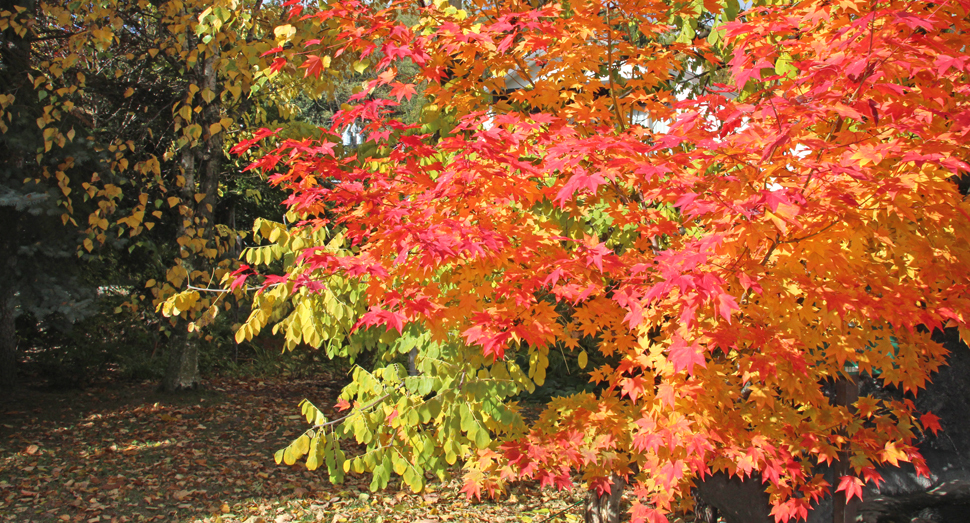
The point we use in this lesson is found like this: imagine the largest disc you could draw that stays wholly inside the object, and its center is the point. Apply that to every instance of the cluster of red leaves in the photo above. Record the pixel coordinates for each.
(793, 221)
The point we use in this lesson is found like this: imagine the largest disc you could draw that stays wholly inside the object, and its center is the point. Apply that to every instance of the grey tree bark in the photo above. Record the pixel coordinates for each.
(183, 366)
(605, 508)
(201, 166)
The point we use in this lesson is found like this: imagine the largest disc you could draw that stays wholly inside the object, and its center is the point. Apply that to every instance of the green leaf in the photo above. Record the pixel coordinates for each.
(400, 465)
(340, 466)
(482, 439)
(784, 66)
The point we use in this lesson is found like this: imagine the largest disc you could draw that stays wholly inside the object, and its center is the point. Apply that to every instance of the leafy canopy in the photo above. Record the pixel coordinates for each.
(133, 102)
(582, 183)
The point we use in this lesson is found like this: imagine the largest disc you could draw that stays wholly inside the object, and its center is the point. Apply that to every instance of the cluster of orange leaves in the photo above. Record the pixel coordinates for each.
(765, 235)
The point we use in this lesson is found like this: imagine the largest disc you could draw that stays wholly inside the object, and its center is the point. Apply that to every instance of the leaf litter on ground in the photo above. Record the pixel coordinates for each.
(125, 453)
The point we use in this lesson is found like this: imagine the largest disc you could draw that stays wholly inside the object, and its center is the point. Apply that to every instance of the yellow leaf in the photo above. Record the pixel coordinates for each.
(172, 201)
(241, 337)
(215, 128)
(583, 359)
(893, 455)
(778, 222)
(285, 31)
(112, 191)
(88, 244)
(303, 445)
(289, 456)
(194, 131)
(128, 92)
(150, 283)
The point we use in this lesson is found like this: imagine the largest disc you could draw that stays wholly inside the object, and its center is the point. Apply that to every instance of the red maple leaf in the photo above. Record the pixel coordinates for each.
(685, 356)
(277, 64)
(314, 66)
(633, 387)
(472, 489)
(240, 275)
(852, 486)
(930, 421)
(399, 90)
(641, 513)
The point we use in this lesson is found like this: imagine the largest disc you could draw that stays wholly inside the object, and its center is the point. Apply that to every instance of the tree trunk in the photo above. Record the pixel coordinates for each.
(605, 508)
(183, 364)
(8, 341)
(844, 511)
(201, 166)
(413, 362)
(703, 512)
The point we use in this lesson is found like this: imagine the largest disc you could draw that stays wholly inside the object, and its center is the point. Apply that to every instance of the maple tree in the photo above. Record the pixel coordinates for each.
(730, 254)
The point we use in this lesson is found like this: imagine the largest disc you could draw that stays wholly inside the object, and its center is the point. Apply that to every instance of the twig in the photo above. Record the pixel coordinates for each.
(555, 514)
(816, 233)
(352, 412)
(525, 70)
(771, 250)
(223, 291)
(609, 69)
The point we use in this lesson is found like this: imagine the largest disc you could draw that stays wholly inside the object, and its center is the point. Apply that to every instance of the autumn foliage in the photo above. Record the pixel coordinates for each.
(733, 222)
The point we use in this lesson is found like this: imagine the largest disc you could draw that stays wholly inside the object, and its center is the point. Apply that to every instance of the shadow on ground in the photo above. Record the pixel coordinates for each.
(127, 453)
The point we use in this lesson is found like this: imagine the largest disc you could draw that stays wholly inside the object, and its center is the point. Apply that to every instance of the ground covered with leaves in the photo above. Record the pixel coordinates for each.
(122, 453)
